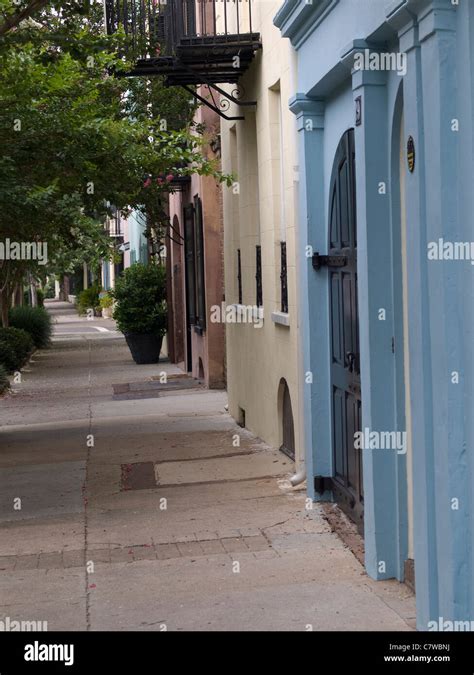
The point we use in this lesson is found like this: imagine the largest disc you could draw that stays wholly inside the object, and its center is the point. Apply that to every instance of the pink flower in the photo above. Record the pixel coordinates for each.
(147, 183)
(169, 177)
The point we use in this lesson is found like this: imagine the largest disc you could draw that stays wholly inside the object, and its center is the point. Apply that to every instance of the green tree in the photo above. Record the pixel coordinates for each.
(75, 139)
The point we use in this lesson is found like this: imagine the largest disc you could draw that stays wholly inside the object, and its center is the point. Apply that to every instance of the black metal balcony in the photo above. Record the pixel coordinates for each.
(115, 225)
(189, 41)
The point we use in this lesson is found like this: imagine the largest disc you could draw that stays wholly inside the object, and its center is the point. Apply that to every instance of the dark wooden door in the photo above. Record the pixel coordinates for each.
(345, 357)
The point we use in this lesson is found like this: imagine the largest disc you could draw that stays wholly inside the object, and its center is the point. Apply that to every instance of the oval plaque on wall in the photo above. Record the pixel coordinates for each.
(411, 154)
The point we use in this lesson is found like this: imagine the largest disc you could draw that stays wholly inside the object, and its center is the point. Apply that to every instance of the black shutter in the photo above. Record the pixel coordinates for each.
(200, 267)
(283, 278)
(239, 276)
(258, 275)
(190, 263)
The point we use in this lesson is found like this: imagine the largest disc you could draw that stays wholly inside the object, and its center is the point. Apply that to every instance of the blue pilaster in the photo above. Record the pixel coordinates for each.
(384, 470)
(437, 295)
(313, 291)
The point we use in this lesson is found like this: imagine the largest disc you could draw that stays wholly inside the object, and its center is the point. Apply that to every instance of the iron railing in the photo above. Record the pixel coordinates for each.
(115, 225)
(157, 28)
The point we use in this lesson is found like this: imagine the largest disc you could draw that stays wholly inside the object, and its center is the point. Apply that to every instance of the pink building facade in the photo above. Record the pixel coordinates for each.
(196, 268)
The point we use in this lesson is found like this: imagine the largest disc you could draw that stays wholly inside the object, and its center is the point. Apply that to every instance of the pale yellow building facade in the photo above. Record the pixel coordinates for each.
(260, 210)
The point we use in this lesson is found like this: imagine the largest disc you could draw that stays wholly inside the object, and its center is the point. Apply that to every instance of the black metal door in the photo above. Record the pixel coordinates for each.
(345, 358)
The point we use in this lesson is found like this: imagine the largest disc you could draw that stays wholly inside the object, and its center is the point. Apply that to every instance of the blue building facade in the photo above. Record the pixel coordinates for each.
(136, 235)
(383, 103)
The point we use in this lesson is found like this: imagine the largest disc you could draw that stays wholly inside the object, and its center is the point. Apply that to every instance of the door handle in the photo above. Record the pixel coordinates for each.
(319, 261)
(350, 361)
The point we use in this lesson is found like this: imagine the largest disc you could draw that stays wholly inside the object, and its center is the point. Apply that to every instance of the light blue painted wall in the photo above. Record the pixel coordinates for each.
(138, 242)
(439, 86)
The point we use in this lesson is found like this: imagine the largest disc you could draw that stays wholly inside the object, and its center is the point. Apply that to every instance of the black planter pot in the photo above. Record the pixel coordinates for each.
(145, 347)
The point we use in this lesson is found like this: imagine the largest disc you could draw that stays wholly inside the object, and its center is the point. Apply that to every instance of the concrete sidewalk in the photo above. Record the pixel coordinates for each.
(145, 507)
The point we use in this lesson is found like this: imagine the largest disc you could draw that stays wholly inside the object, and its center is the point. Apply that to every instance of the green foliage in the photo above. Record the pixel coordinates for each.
(76, 140)
(140, 295)
(4, 381)
(36, 321)
(39, 297)
(8, 357)
(21, 344)
(106, 300)
(49, 291)
(88, 299)
(19, 340)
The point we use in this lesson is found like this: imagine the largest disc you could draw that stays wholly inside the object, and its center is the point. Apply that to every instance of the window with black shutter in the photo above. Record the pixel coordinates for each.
(239, 276)
(258, 276)
(283, 278)
(189, 254)
(200, 323)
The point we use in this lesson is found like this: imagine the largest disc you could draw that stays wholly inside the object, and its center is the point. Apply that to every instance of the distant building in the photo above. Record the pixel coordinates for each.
(130, 244)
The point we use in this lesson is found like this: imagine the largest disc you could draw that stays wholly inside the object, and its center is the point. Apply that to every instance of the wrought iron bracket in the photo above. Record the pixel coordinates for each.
(328, 261)
(223, 104)
(210, 105)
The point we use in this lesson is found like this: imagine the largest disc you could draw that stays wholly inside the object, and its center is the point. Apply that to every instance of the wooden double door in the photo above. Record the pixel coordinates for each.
(347, 482)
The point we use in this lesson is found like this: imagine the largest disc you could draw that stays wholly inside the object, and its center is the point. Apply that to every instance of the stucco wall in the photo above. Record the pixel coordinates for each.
(437, 38)
(260, 151)
(210, 346)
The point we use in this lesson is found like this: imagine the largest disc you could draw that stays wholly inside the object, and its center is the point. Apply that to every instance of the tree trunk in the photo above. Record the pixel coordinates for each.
(18, 296)
(5, 305)
(33, 293)
(63, 288)
(16, 18)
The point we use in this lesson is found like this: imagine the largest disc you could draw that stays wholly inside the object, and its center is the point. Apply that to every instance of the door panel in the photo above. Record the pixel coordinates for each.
(338, 432)
(345, 361)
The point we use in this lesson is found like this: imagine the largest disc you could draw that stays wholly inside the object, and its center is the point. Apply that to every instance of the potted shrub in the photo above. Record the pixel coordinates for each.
(106, 302)
(140, 310)
(89, 299)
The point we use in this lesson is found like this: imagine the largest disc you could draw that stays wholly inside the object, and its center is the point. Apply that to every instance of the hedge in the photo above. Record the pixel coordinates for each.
(4, 381)
(36, 321)
(16, 345)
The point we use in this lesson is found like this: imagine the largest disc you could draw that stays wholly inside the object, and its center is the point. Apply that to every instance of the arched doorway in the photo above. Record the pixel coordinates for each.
(347, 482)
(200, 370)
(287, 424)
